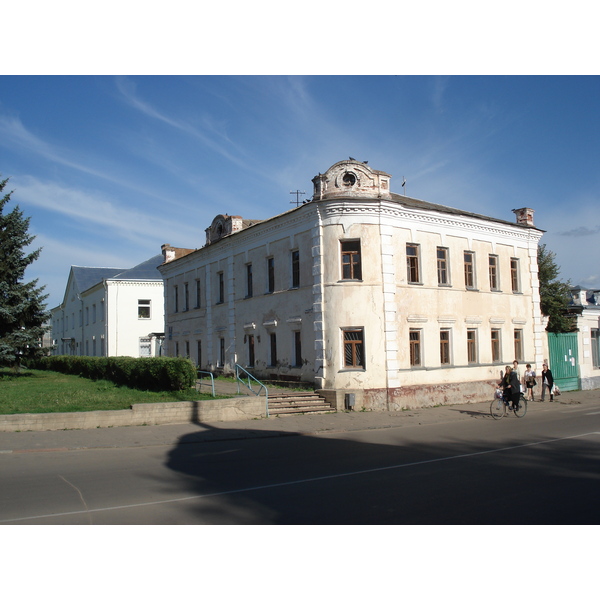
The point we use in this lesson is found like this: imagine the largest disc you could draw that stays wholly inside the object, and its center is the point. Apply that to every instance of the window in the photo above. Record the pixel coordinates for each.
(596, 348)
(412, 263)
(354, 355)
(471, 346)
(187, 349)
(186, 297)
(442, 266)
(145, 347)
(221, 289)
(250, 350)
(494, 282)
(445, 346)
(176, 298)
(496, 356)
(270, 275)
(514, 275)
(297, 349)
(199, 353)
(519, 344)
(296, 269)
(221, 352)
(176, 349)
(198, 294)
(273, 348)
(469, 262)
(351, 260)
(415, 347)
(143, 309)
(249, 285)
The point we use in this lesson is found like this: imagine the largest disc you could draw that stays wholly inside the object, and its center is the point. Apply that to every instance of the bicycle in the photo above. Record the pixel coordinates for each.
(499, 407)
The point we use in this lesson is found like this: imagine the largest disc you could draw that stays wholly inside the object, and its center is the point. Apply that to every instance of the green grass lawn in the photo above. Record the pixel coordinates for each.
(32, 391)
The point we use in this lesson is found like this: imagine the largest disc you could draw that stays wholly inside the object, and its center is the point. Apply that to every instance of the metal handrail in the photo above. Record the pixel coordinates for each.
(212, 379)
(239, 368)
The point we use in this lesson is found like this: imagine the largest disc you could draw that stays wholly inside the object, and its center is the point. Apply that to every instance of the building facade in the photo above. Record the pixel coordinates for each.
(585, 307)
(361, 291)
(111, 312)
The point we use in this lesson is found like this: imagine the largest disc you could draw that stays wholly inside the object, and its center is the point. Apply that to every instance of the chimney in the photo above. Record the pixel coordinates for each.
(168, 252)
(524, 216)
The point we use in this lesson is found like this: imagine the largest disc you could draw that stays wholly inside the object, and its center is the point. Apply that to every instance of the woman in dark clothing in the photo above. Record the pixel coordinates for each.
(512, 387)
(547, 382)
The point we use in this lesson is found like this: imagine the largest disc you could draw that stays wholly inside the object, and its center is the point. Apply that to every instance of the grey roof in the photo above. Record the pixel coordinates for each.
(87, 277)
(148, 270)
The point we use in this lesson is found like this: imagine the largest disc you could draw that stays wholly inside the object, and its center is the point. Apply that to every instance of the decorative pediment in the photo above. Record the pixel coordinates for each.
(351, 179)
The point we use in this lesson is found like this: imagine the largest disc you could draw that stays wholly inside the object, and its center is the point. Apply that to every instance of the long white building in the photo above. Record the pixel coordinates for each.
(361, 291)
(111, 312)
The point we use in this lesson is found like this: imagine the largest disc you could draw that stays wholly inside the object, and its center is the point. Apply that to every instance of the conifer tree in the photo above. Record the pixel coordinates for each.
(22, 309)
(554, 294)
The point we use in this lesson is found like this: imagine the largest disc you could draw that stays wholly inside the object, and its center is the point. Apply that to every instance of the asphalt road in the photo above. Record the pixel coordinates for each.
(542, 469)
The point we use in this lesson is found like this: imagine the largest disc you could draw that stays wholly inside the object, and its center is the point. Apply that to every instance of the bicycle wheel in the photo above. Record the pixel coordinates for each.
(522, 408)
(497, 408)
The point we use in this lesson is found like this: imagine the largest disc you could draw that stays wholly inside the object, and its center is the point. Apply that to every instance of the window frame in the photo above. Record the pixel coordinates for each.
(445, 347)
(354, 267)
(198, 293)
(297, 349)
(515, 275)
(494, 272)
(443, 266)
(272, 350)
(415, 345)
(144, 303)
(469, 270)
(220, 287)
(496, 345)
(595, 343)
(356, 347)
(518, 343)
(413, 264)
(472, 349)
(270, 274)
(249, 281)
(295, 269)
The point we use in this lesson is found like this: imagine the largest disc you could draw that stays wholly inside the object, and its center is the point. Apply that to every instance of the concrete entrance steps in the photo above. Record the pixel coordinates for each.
(297, 403)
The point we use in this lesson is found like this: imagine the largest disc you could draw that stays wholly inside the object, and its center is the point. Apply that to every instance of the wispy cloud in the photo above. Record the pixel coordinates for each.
(13, 134)
(211, 137)
(93, 208)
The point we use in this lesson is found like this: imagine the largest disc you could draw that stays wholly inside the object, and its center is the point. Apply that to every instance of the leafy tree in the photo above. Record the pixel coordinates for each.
(554, 294)
(22, 308)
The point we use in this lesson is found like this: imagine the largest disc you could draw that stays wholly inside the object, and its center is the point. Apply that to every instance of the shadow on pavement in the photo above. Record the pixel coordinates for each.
(387, 477)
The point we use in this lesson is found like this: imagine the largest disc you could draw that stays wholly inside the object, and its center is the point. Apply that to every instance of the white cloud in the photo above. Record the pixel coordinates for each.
(94, 209)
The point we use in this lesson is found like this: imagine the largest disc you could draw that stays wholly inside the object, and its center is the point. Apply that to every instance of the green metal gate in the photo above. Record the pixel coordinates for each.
(564, 361)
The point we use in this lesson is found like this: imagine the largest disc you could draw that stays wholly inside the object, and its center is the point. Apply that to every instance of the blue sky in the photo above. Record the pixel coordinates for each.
(109, 168)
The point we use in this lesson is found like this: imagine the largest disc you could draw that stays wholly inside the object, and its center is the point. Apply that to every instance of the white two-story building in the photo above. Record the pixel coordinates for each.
(361, 291)
(111, 312)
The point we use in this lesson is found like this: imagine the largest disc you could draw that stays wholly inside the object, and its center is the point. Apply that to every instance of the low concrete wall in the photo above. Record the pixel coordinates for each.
(162, 413)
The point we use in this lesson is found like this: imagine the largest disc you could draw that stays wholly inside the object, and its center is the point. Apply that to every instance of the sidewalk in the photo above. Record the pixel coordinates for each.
(166, 435)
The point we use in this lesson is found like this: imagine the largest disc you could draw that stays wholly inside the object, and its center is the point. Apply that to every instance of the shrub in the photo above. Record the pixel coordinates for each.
(151, 374)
